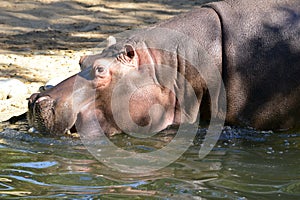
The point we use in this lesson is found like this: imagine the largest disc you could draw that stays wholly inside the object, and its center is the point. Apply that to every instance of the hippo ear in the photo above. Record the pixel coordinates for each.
(111, 40)
(129, 56)
(82, 58)
(129, 51)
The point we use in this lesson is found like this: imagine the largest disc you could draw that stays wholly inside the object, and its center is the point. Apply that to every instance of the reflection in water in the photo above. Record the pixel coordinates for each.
(243, 165)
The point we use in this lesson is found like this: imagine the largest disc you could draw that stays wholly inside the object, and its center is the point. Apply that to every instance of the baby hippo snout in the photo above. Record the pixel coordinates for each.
(41, 113)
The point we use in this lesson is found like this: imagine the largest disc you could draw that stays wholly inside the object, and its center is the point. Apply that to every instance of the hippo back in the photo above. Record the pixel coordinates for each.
(261, 61)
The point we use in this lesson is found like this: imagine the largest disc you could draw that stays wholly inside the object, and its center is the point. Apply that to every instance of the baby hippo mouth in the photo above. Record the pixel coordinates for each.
(43, 117)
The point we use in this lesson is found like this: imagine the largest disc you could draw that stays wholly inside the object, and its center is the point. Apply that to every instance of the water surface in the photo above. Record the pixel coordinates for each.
(244, 164)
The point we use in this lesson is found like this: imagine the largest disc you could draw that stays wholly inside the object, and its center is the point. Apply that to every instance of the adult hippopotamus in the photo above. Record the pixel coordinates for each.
(254, 46)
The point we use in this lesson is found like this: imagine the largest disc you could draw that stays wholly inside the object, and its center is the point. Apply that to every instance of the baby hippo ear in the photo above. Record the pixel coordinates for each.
(129, 56)
(82, 59)
(111, 40)
(129, 51)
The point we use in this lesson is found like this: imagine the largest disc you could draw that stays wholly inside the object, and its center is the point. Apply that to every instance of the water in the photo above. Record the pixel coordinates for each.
(244, 164)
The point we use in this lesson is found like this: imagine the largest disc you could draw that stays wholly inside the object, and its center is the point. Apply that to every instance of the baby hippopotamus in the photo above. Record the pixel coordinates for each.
(243, 56)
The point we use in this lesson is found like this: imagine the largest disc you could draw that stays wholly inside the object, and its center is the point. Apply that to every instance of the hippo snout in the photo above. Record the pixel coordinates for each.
(50, 114)
(41, 112)
(36, 101)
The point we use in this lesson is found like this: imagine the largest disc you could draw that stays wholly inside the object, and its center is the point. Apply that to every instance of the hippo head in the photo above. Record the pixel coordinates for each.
(121, 86)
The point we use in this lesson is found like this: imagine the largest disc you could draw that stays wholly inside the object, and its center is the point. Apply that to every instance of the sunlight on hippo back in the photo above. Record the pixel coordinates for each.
(94, 138)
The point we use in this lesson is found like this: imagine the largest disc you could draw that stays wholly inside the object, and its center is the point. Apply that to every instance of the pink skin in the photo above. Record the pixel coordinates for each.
(90, 92)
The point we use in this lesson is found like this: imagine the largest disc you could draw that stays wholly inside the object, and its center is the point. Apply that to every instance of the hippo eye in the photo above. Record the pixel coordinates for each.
(100, 70)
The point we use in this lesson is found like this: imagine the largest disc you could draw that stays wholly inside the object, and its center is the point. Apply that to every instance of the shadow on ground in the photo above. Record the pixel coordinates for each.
(43, 25)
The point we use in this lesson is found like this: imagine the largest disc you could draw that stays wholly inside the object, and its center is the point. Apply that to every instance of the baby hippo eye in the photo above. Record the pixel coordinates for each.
(100, 70)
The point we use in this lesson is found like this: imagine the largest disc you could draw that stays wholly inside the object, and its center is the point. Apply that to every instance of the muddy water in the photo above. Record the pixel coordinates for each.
(244, 164)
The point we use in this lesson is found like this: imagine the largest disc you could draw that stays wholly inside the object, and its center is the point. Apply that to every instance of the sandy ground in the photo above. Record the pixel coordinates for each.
(44, 39)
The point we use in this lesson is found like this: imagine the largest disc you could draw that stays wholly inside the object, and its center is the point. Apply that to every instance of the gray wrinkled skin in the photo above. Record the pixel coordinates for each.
(254, 44)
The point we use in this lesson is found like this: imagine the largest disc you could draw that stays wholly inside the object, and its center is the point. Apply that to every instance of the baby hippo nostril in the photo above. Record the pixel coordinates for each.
(43, 98)
(32, 98)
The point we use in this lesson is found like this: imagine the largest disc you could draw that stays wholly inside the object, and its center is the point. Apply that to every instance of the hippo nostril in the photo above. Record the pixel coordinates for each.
(32, 98)
(42, 89)
(43, 98)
